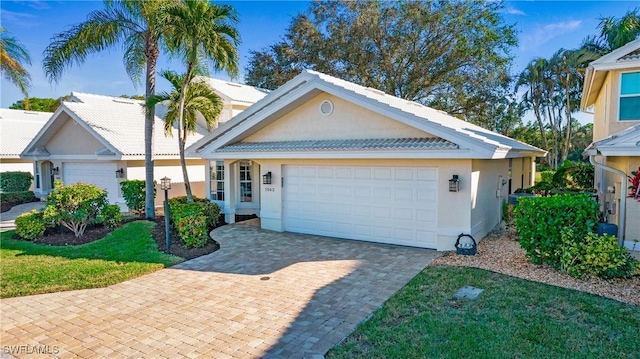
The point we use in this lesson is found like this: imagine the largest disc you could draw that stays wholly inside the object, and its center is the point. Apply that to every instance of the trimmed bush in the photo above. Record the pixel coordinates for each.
(539, 222)
(110, 216)
(193, 221)
(17, 197)
(133, 192)
(75, 206)
(15, 181)
(594, 255)
(30, 225)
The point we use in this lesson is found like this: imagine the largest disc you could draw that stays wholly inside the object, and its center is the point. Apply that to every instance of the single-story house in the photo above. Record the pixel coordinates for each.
(611, 91)
(17, 129)
(324, 156)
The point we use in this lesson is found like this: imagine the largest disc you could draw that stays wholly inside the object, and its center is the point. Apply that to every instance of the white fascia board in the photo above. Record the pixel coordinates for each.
(416, 154)
(43, 130)
(631, 151)
(78, 158)
(616, 66)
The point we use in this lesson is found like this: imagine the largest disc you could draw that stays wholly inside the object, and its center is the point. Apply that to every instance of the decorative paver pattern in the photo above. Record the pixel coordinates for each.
(221, 305)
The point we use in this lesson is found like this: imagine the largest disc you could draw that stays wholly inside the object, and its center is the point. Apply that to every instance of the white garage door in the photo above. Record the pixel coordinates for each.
(396, 205)
(102, 175)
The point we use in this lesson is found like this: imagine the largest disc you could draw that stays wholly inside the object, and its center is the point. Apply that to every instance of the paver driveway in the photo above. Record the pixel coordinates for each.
(263, 294)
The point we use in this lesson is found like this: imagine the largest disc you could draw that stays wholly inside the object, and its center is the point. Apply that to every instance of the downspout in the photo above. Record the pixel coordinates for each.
(623, 194)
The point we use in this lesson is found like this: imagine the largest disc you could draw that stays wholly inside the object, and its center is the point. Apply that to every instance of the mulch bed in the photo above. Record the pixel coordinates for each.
(63, 237)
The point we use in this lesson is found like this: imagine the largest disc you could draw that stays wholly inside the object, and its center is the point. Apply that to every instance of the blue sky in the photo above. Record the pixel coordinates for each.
(544, 27)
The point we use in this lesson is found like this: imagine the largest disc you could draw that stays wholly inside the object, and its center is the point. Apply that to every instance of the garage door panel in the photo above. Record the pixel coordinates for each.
(100, 174)
(396, 205)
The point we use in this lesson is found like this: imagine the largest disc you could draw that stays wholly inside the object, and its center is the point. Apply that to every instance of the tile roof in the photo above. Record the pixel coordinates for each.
(120, 122)
(17, 129)
(342, 145)
(235, 91)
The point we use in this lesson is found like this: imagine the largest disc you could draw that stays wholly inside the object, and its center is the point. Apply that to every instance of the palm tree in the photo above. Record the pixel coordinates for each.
(533, 77)
(136, 26)
(202, 32)
(13, 57)
(199, 99)
(614, 33)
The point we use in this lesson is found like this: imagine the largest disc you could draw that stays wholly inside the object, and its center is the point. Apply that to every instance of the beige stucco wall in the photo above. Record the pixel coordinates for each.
(454, 211)
(605, 118)
(488, 193)
(73, 139)
(347, 121)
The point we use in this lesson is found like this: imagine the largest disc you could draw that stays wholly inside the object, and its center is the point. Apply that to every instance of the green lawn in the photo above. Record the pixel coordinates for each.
(512, 318)
(27, 268)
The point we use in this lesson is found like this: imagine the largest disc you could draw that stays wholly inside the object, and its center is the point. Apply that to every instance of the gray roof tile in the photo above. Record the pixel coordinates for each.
(342, 145)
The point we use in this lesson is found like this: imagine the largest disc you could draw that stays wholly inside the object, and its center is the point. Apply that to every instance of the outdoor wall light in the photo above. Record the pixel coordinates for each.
(266, 178)
(165, 183)
(120, 173)
(55, 171)
(454, 184)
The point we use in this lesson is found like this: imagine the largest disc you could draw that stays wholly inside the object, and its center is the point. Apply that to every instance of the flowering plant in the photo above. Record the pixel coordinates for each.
(634, 189)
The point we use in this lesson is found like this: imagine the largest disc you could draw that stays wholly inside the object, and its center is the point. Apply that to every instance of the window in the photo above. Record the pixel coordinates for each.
(37, 174)
(630, 96)
(216, 180)
(245, 181)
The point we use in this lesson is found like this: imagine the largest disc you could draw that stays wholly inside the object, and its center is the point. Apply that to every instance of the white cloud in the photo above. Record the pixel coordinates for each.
(543, 34)
(513, 11)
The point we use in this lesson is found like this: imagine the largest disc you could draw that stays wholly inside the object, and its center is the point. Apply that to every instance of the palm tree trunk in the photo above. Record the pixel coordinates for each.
(187, 185)
(151, 54)
(567, 140)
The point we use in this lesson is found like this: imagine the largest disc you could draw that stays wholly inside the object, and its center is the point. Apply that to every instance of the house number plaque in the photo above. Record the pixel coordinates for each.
(269, 189)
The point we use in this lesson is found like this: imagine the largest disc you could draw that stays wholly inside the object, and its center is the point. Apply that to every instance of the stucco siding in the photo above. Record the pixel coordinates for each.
(488, 194)
(347, 121)
(73, 139)
(607, 105)
(168, 168)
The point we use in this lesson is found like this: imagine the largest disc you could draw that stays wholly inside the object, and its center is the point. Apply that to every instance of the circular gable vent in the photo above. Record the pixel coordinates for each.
(326, 107)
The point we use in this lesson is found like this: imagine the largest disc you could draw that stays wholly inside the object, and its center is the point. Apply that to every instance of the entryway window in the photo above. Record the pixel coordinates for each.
(245, 181)
(217, 180)
(630, 97)
(37, 175)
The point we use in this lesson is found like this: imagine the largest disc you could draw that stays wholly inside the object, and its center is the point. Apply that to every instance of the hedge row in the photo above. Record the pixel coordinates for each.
(14, 198)
(15, 181)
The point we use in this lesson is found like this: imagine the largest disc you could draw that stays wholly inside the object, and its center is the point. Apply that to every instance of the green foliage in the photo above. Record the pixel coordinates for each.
(17, 197)
(193, 221)
(76, 206)
(453, 56)
(15, 59)
(594, 255)
(547, 176)
(30, 225)
(15, 181)
(133, 192)
(539, 220)
(570, 177)
(110, 216)
(37, 104)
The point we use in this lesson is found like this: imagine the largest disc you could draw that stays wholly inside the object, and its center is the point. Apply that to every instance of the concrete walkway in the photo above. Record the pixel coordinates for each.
(263, 294)
(7, 218)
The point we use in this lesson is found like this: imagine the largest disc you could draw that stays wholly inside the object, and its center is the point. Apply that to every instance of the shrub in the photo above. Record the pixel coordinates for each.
(133, 192)
(594, 255)
(30, 225)
(110, 216)
(15, 181)
(76, 206)
(539, 221)
(193, 221)
(17, 197)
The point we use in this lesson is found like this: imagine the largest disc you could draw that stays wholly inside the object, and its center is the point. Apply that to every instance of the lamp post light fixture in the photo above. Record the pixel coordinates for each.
(454, 184)
(165, 185)
(266, 178)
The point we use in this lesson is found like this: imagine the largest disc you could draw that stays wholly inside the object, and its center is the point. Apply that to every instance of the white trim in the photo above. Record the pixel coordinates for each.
(620, 95)
(271, 215)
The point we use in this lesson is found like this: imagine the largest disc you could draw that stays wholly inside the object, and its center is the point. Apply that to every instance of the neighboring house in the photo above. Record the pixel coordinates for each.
(324, 156)
(17, 128)
(100, 140)
(612, 93)
(235, 97)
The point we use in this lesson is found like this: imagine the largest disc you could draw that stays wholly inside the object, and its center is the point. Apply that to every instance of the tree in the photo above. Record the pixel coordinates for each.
(36, 104)
(199, 99)
(201, 32)
(137, 27)
(13, 58)
(451, 55)
(614, 33)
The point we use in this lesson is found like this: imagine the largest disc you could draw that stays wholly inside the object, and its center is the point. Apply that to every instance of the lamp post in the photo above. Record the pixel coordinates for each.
(165, 185)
